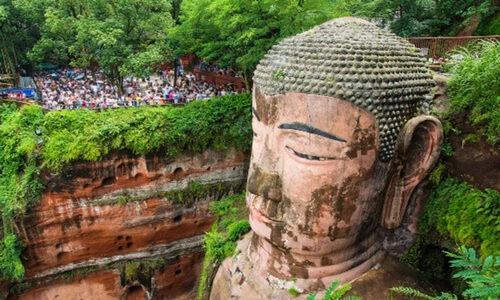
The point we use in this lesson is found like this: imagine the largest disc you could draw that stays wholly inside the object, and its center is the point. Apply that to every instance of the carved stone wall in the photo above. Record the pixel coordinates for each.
(141, 218)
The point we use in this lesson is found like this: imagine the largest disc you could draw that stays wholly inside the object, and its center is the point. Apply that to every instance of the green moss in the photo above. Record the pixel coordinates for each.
(196, 191)
(293, 292)
(437, 174)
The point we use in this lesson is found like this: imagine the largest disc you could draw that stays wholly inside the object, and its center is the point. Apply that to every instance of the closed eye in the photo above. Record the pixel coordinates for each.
(310, 157)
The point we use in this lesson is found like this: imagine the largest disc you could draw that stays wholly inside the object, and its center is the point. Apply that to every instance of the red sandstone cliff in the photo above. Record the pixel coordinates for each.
(128, 227)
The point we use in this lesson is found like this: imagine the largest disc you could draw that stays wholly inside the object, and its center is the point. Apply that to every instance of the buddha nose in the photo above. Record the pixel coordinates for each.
(261, 183)
(263, 178)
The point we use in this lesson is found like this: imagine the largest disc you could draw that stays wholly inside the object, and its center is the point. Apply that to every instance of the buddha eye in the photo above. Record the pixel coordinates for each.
(309, 157)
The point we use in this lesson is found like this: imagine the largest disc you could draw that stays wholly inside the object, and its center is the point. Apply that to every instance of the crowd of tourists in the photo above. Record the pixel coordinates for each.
(215, 68)
(74, 89)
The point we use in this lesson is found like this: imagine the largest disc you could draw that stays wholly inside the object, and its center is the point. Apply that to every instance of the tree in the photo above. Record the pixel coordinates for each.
(122, 37)
(425, 17)
(18, 32)
(237, 33)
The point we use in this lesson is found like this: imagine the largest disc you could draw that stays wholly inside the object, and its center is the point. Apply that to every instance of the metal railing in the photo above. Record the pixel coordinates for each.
(438, 48)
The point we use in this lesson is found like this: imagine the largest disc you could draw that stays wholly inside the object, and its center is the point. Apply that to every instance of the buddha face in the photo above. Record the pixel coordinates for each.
(314, 179)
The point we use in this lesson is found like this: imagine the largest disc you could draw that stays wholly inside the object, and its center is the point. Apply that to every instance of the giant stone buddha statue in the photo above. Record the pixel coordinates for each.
(341, 143)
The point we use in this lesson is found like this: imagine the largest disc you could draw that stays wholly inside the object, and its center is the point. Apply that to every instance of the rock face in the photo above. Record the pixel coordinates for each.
(142, 218)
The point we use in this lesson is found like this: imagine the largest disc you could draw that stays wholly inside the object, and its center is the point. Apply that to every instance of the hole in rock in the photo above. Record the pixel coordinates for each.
(178, 272)
(135, 292)
(177, 219)
(155, 228)
(178, 171)
(120, 248)
(128, 238)
(129, 245)
(87, 186)
(196, 222)
(138, 176)
(109, 181)
(61, 256)
(208, 169)
(119, 237)
(234, 168)
(58, 246)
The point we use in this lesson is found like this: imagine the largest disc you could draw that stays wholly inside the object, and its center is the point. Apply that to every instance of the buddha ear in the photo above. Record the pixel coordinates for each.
(417, 150)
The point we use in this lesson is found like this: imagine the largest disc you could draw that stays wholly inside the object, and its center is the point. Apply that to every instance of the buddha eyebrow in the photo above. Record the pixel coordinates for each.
(255, 114)
(310, 129)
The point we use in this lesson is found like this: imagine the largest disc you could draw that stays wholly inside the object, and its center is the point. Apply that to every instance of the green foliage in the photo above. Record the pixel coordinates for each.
(83, 134)
(237, 33)
(467, 215)
(416, 294)
(311, 296)
(121, 36)
(138, 270)
(217, 245)
(425, 17)
(438, 173)
(483, 278)
(474, 88)
(293, 292)
(20, 185)
(335, 293)
(219, 242)
(237, 230)
(11, 266)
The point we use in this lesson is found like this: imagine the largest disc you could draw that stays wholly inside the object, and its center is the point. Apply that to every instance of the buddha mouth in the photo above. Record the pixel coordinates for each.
(259, 216)
(269, 212)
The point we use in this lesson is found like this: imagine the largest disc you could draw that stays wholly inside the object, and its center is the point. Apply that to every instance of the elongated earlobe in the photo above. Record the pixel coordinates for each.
(417, 151)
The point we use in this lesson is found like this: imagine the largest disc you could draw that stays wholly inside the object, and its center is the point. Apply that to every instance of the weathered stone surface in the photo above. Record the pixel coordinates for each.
(333, 176)
(180, 279)
(96, 214)
(475, 162)
(240, 278)
(101, 285)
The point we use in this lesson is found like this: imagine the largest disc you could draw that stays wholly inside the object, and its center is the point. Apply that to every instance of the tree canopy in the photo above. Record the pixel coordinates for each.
(132, 36)
(237, 33)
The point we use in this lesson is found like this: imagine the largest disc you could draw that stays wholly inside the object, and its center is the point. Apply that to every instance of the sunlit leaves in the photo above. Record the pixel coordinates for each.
(237, 33)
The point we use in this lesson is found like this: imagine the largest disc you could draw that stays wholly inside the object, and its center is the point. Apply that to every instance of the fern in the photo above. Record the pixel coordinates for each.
(332, 293)
(330, 290)
(411, 292)
(311, 296)
(338, 293)
(483, 278)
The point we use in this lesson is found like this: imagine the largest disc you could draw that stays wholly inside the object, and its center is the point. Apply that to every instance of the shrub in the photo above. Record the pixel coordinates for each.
(237, 230)
(475, 87)
(470, 216)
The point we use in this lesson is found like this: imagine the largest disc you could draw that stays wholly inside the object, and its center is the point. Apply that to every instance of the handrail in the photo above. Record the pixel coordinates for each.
(437, 48)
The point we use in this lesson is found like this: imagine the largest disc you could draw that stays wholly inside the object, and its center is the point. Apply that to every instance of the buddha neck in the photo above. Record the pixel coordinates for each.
(343, 264)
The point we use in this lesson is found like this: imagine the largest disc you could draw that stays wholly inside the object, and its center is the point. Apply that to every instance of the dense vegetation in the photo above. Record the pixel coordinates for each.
(475, 88)
(467, 215)
(220, 241)
(136, 36)
(31, 140)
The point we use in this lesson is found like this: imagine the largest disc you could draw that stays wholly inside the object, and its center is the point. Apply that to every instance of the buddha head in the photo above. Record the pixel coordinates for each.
(340, 144)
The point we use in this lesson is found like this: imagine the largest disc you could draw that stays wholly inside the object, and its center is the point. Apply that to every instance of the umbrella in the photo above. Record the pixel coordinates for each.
(79, 77)
(54, 75)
